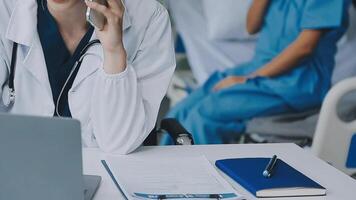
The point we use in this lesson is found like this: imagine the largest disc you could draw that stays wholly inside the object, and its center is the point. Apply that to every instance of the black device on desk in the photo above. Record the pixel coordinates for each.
(270, 177)
(41, 159)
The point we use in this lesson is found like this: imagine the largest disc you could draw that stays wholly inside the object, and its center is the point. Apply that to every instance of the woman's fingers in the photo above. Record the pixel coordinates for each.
(101, 9)
(228, 82)
(111, 36)
(217, 87)
(116, 6)
(221, 85)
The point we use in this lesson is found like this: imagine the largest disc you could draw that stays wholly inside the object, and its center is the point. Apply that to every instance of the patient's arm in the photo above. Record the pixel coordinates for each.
(256, 15)
(296, 52)
(300, 49)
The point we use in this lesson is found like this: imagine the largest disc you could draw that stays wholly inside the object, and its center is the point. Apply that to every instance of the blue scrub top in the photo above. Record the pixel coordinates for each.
(284, 21)
(58, 59)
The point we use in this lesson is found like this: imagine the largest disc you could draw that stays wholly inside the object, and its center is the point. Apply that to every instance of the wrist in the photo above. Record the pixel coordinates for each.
(263, 72)
(115, 61)
(253, 75)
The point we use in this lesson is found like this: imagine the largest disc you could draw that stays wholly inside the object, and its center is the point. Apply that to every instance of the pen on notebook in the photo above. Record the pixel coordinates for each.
(269, 168)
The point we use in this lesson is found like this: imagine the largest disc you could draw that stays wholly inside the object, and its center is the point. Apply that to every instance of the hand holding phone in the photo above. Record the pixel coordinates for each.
(95, 18)
(108, 18)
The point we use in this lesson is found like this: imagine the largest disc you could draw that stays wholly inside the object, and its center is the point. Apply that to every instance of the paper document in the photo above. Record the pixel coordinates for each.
(169, 178)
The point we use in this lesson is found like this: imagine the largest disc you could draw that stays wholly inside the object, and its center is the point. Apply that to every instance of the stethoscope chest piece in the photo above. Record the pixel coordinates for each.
(8, 96)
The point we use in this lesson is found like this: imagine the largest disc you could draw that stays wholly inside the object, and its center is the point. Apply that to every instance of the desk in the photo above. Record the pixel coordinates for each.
(340, 186)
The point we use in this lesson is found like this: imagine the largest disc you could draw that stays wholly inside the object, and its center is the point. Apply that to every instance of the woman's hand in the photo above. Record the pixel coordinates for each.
(230, 81)
(111, 35)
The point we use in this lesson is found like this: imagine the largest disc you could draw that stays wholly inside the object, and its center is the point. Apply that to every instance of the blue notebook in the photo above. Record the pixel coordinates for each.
(285, 182)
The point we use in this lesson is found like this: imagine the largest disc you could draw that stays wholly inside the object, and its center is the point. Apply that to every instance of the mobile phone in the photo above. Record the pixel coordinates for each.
(95, 18)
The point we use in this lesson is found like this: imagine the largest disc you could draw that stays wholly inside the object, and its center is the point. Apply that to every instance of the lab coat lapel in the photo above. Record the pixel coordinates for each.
(127, 19)
(23, 22)
(22, 29)
(35, 63)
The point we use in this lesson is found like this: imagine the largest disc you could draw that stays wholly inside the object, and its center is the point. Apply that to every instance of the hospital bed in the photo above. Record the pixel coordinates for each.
(335, 135)
(334, 131)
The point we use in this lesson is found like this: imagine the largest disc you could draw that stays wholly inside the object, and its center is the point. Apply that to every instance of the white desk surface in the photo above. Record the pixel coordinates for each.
(339, 186)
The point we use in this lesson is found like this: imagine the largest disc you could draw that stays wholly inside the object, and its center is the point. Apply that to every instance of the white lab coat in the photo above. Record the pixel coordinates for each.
(118, 111)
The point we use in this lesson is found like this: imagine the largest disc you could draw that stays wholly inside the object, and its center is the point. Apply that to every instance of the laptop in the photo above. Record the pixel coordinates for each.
(41, 159)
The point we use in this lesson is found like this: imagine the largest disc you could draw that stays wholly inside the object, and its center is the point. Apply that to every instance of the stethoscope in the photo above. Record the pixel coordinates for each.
(9, 93)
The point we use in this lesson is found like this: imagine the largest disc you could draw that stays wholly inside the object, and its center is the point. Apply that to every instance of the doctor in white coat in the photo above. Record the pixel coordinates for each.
(118, 89)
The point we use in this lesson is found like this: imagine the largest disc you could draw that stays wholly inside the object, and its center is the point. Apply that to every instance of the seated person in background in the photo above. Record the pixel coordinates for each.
(291, 70)
(213, 33)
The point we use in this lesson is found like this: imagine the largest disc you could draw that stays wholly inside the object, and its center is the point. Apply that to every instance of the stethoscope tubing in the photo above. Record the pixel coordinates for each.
(77, 64)
(13, 67)
(11, 85)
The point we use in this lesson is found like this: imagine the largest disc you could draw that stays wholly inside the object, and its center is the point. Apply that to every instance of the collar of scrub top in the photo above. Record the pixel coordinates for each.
(22, 28)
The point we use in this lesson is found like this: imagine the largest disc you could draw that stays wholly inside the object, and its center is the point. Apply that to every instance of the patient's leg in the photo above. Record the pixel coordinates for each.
(222, 115)
(182, 109)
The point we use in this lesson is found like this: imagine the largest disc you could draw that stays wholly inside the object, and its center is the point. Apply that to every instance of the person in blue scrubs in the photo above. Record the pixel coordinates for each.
(290, 72)
(59, 60)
